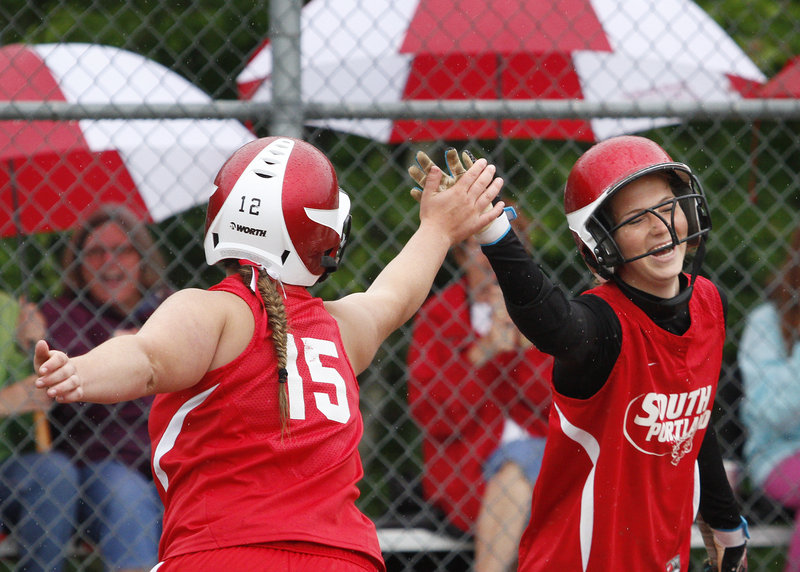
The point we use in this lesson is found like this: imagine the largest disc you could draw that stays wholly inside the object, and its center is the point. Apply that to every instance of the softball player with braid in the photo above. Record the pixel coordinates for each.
(631, 455)
(255, 425)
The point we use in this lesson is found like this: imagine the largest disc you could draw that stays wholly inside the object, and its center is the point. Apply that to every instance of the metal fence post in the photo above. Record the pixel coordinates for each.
(287, 118)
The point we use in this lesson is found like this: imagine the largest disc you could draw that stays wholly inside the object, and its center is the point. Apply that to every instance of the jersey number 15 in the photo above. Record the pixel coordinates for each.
(313, 348)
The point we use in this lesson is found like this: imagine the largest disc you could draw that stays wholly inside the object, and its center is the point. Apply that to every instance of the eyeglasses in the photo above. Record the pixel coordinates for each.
(97, 254)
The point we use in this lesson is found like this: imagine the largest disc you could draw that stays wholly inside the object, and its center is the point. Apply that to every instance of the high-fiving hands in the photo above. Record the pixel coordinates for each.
(464, 207)
(457, 168)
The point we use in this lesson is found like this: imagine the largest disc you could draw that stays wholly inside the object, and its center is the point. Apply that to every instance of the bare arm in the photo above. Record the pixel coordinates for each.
(446, 217)
(172, 351)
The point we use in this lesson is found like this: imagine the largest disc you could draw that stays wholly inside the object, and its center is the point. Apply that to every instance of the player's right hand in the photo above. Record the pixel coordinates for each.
(57, 375)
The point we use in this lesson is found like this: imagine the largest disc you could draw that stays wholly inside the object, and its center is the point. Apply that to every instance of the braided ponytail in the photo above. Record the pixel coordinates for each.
(279, 325)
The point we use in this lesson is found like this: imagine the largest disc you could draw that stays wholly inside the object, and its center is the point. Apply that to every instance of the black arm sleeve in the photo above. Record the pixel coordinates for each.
(718, 505)
(584, 334)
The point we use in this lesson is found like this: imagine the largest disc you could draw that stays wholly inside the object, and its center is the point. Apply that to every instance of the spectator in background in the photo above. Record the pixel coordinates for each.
(96, 479)
(23, 325)
(479, 392)
(769, 358)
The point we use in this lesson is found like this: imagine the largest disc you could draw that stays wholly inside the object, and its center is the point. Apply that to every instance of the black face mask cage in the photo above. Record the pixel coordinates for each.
(695, 210)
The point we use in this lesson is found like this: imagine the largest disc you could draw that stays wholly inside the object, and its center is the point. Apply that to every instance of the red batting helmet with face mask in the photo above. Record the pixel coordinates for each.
(603, 170)
(278, 204)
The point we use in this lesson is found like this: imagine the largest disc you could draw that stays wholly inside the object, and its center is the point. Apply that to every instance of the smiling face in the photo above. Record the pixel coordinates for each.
(111, 267)
(643, 232)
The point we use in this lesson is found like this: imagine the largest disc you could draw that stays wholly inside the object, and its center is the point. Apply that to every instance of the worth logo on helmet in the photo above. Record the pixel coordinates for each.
(248, 229)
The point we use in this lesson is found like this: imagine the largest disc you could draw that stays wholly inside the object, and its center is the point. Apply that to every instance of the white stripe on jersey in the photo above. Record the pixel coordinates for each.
(171, 434)
(592, 448)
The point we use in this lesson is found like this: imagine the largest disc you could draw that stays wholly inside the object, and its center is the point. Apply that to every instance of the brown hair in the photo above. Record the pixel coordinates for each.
(784, 291)
(279, 324)
(152, 265)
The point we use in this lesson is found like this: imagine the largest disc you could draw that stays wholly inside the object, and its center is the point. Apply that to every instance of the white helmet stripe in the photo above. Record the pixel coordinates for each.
(332, 218)
(325, 217)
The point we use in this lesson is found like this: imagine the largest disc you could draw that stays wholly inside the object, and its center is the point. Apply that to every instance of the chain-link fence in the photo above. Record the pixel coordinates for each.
(108, 103)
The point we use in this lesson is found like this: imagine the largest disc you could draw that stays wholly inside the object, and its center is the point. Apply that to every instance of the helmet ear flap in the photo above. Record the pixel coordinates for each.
(606, 250)
(592, 260)
(594, 265)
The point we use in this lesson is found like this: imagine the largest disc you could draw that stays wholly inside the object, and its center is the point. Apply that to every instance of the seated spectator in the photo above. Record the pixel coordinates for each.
(96, 479)
(23, 325)
(769, 357)
(479, 392)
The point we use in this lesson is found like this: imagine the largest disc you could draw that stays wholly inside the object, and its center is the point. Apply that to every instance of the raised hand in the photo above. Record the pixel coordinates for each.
(451, 209)
(457, 167)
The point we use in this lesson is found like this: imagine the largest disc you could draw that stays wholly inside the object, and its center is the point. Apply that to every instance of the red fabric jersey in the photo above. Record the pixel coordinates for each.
(225, 474)
(619, 487)
(461, 408)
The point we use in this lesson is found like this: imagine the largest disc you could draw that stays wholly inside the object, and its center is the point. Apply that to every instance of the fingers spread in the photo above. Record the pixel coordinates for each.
(457, 166)
(433, 179)
(454, 163)
(425, 162)
(476, 171)
(468, 158)
(418, 175)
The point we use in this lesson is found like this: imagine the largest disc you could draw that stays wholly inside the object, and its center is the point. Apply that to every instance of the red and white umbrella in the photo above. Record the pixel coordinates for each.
(53, 172)
(367, 51)
(783, 85)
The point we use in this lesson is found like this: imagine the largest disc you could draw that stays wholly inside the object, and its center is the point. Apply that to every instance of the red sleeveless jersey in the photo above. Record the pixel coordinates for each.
(619, 487)
(225, 474)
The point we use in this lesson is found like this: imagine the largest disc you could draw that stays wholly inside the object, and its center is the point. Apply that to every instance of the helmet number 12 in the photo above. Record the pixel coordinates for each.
(313, 348)
(255, 203)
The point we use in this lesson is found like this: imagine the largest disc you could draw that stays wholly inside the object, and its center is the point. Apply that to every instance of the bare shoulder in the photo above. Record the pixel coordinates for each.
(357, 326)
(195, 305)
(351, 309)
(200, 297)
(214, 324)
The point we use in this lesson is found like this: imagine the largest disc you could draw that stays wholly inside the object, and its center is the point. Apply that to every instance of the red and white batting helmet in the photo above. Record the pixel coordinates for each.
(603, 170)
(278, 204)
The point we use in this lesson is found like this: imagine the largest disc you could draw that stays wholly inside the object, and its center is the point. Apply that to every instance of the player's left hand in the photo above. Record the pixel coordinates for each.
(733, 560)
(456, 168)
(727, 550)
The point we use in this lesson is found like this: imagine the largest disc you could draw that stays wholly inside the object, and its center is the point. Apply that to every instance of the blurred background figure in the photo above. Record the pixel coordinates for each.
(96, 479)
(21, 324)
(478, 390)
(769, 357)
